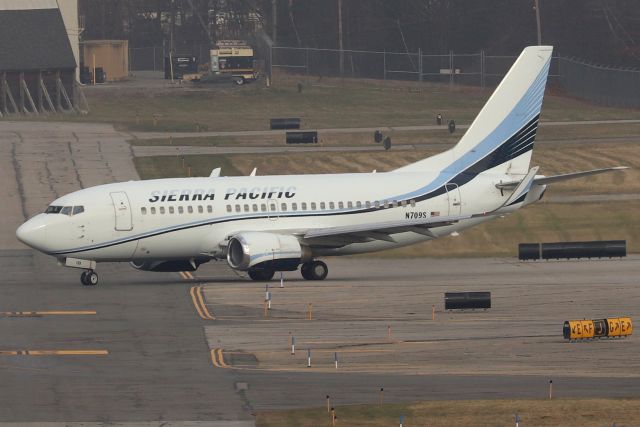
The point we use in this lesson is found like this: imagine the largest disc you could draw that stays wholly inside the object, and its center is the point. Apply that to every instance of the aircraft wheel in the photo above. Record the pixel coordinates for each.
(261, 274)
(89, 278)
(315, 270)
(305, 270)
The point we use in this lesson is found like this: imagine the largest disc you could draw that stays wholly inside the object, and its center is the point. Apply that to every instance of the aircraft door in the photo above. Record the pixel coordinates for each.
(122, 207)
(453, 197)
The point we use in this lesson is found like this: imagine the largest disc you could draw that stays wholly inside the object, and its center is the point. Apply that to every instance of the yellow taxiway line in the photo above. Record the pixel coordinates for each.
(217, 358)
(48, 313)
(186, 275)
(54, 352)
(198, 301)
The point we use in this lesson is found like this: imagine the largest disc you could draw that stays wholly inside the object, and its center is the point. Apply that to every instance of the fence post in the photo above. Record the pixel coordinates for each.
(271, 64)
(450, 69)
(482, 71)
(420, 65)
(306, 60)
(384, 64)
(154, 58)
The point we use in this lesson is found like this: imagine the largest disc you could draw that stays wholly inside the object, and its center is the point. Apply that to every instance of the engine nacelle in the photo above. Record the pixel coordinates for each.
(278, 251)
(167, 265)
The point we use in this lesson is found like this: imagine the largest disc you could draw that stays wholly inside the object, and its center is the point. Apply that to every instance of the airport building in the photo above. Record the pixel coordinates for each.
(39, 56)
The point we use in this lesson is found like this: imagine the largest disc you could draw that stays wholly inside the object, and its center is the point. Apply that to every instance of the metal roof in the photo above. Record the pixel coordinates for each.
(34, 39)
(28, 4)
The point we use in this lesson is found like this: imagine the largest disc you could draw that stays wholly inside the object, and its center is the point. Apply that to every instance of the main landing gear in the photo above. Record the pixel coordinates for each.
(89, 278)
(314, 270)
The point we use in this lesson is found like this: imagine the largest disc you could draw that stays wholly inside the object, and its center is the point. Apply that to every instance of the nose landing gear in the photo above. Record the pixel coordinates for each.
(314, 270)
(89, 278)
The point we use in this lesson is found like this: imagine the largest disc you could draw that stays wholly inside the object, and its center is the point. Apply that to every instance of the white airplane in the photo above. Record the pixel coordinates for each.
(263, 224)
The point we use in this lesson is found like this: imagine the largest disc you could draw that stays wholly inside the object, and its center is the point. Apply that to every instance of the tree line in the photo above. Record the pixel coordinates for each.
(601, 31)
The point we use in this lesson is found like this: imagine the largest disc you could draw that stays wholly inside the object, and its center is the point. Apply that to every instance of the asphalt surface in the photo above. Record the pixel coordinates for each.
(135, 350)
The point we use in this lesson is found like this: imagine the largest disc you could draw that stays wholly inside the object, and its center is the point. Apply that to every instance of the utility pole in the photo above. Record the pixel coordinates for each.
(537, 8)
(274, 20)
(340, 46)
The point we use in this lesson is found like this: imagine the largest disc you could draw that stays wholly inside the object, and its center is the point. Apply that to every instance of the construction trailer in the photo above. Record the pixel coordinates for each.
(37, 63)
(234, 58)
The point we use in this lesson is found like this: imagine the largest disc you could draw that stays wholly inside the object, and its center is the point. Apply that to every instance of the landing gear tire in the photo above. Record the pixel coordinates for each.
(263, 275)
(89, 278)
(314, 270)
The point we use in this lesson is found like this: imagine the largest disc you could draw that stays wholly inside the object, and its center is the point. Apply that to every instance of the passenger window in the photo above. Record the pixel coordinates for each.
(332, 205)
(171, 210)
(228, 208)
(66, 210)
(238, 208)
(200, 209)
(349, 205)
(376, 204)
(386, 204)
(395, 203)
(413, 203)
(263, 207)
(79, 209)
(246, 208)
(284, 206)
(368, 204)
(162, 210)
(358, 205)
(273, 207)
(153, 211)
(209, 209)
(340, 205)
(303, 206)
(294, 206)
(144, 211)
(180, 209)
(313, 206)
(322, 205)
(404, 203)
(190, 209)
(255, 208)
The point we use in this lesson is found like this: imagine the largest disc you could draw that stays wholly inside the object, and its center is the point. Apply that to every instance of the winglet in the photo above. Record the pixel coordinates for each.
(253, 172)
(215, 173)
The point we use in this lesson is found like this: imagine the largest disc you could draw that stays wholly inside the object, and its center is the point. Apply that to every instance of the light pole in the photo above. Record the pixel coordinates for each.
(537, 8)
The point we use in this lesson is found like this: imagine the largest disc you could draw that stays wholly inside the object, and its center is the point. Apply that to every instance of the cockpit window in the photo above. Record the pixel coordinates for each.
(66, 210)
(53, 209)
(78, 210)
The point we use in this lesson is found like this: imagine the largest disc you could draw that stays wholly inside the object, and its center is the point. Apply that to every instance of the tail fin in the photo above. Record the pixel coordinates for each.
(502, 134)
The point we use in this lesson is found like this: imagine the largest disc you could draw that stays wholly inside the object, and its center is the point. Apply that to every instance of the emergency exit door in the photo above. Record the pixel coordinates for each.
(122, 211)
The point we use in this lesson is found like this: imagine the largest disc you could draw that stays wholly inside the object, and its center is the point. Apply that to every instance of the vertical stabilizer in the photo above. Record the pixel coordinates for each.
(502, 135)
(509, 119)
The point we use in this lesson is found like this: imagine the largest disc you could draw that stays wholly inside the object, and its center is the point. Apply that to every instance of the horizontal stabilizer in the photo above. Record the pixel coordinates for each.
(544, 180)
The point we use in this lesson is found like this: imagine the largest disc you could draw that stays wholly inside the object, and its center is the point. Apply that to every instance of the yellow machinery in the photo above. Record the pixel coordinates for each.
(599, 328)
(234, 58)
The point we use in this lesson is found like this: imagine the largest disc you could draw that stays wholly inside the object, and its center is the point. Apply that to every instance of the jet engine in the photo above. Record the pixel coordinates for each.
(279, 252)
(168, 265)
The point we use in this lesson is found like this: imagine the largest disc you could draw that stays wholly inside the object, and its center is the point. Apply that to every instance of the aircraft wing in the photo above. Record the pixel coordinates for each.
(359, 233)
(543, 180)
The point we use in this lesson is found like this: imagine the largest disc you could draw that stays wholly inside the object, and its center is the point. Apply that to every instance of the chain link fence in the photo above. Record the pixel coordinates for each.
(599, 84)
(602, 85)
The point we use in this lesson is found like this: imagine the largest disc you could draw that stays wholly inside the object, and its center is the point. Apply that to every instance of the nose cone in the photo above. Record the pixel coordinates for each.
(33, 232)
